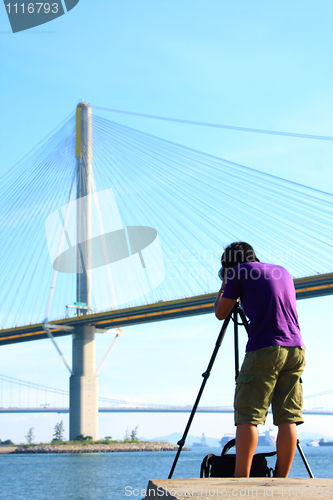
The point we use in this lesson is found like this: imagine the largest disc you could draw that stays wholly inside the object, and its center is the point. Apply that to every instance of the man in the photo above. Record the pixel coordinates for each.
(274, 359)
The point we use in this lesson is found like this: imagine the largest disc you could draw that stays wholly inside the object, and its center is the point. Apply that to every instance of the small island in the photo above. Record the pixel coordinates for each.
(85, 444)
(92, 447)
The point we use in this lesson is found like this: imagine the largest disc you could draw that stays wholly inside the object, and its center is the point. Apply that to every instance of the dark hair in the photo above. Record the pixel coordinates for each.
(238, 252)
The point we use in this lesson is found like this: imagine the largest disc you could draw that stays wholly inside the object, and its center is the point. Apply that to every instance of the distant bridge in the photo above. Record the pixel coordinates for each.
(18, 401)
(148, 409)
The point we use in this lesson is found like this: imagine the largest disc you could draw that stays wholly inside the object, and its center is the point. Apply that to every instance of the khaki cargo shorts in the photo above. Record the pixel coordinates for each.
(270, 376)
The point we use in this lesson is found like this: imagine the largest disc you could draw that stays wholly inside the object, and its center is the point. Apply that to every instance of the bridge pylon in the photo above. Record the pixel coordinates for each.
(83, 404)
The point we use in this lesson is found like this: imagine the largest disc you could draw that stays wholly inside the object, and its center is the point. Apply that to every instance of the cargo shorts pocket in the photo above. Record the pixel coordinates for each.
(243, 391)
(299, 398)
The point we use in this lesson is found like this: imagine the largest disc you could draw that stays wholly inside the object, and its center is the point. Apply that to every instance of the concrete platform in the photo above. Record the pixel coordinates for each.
(237, 488)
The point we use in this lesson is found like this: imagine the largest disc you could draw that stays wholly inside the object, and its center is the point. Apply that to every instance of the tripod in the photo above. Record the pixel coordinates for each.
(236, 311)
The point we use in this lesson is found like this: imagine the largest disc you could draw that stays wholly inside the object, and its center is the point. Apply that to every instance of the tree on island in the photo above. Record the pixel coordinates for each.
(134, 434)
(81, 437)
(59, 432)
(30, 436)
(7, 442)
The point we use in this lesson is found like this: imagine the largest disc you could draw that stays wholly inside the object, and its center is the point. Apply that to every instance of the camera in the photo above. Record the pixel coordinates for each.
(223, 272)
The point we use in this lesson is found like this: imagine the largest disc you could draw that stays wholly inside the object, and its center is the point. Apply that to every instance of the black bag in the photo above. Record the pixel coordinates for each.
(224, 466)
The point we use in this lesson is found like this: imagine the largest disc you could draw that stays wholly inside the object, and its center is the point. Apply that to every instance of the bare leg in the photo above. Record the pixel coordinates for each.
(246, 443)
(285, 446)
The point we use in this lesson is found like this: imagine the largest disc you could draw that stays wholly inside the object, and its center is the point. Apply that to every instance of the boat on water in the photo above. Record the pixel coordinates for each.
(268, 438)
(325, 442)
(314, 442)
(226, 438)
(202, 441)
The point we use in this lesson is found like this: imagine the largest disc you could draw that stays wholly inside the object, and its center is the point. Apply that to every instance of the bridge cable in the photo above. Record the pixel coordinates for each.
(217, 125)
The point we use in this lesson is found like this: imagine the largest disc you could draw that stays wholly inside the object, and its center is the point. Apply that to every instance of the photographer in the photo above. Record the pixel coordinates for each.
(274, 359)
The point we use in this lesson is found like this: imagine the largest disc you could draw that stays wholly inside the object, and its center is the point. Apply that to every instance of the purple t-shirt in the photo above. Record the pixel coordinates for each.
(268, 298)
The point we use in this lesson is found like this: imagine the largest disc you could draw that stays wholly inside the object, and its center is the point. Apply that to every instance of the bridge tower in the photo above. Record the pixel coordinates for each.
(83, 404)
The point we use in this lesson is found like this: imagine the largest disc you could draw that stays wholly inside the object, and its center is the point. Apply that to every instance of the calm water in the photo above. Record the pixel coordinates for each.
(105, 475)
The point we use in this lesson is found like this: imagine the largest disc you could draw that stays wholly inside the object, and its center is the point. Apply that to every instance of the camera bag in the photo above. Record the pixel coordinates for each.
(224, 465)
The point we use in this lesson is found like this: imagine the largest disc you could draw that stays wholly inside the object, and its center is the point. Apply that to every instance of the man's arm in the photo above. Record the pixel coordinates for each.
(223, 307)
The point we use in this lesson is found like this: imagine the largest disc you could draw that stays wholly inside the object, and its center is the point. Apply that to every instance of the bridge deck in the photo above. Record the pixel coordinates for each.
(312, 286)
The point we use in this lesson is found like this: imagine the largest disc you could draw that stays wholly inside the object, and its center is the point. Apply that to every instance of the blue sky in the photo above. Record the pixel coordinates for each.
(261, 64)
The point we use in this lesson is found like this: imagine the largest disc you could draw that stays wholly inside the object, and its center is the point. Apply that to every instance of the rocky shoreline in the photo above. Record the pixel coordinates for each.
(95, 448)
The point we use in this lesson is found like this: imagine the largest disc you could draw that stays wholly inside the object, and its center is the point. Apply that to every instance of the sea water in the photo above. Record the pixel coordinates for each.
(117, 476)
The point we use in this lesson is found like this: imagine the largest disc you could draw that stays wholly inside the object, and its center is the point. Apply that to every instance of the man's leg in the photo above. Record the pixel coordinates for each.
(287, 402)
(285, 446)
(246, 443)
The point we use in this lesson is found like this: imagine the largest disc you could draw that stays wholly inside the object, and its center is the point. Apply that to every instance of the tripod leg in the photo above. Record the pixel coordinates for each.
(307, 466)
(246, 326)
(205, 375)
(244, 319)
(236, 343)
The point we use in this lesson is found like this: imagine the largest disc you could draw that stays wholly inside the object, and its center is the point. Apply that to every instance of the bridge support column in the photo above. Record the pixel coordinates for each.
(83, 405)
(83, 385)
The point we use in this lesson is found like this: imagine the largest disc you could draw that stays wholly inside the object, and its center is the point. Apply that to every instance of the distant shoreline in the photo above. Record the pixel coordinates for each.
(89, 448)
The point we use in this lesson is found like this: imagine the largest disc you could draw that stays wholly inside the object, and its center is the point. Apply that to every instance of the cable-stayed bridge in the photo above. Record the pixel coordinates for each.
(190, 204)
(20, 396)
(104, 226)
(312, 286)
